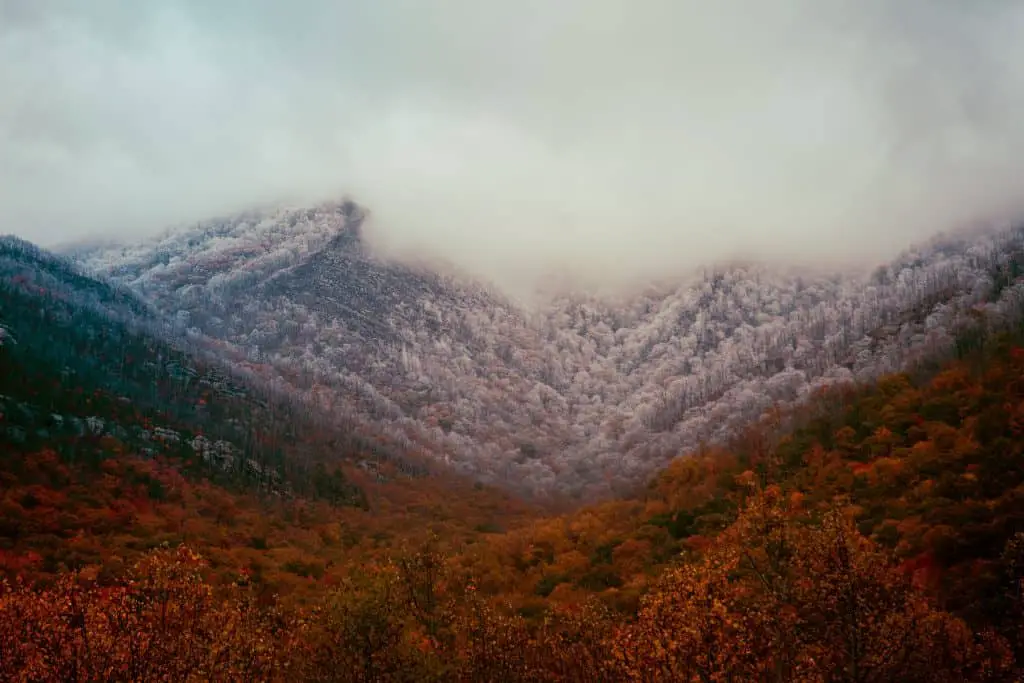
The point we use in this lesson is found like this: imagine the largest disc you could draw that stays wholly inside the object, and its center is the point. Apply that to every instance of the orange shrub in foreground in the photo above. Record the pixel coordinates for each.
(781, 595)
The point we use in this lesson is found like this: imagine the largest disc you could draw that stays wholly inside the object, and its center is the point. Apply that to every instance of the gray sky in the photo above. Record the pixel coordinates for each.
(616, 137)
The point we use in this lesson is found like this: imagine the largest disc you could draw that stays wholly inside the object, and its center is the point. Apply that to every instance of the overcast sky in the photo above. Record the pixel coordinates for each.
(620, 137)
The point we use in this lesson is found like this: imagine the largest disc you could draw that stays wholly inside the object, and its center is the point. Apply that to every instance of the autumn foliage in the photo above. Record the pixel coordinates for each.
(783, 597)
(872, 536)
(780, 596)
(163, 622)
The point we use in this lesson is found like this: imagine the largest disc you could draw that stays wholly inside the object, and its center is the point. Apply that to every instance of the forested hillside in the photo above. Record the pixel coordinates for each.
(117, 437)
(872, 534)
(85, 359)
(574, 393)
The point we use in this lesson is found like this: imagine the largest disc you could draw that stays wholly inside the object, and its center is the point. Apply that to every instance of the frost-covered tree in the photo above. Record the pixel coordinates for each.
(598, 388)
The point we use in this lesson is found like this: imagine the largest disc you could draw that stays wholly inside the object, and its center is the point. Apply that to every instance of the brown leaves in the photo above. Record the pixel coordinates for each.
(782, 596)
(163, 623)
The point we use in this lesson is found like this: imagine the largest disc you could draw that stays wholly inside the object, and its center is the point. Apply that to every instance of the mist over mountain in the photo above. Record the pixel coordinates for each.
(575, 393)
(613, 158)
(597, 138)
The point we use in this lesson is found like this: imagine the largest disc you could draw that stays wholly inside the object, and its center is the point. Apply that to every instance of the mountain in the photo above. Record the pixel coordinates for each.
(84, 360)
(578, 394)
(118, 434)
(879, 537)
(83, 357)
(169, 504)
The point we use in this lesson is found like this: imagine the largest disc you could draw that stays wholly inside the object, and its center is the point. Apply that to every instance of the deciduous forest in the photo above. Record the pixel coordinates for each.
(874, 534)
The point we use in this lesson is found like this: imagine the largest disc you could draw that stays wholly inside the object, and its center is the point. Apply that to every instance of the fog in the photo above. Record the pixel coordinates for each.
(606, 138)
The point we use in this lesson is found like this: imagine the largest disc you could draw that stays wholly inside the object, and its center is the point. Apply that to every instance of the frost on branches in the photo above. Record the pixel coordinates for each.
(579, 394)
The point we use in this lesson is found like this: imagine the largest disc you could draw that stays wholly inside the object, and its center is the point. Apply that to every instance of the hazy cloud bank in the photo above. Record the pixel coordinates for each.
(610, 137)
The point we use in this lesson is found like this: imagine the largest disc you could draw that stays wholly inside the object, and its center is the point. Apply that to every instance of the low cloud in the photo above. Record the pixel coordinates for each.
(614, 140)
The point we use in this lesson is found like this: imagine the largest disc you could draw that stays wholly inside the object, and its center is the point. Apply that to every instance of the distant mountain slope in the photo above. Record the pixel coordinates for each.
(83, 360)
(582, 394)
(118, 434)
(36, 270)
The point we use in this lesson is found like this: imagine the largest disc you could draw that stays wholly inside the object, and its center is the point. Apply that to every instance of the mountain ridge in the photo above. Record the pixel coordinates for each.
(578, 394)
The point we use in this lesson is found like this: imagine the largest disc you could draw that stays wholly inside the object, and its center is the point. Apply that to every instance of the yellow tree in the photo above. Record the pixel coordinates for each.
(782, 596)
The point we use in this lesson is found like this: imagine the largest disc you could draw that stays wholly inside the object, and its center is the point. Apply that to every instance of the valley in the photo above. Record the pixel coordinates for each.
(148, 432)
(575, 394)
(469, 342)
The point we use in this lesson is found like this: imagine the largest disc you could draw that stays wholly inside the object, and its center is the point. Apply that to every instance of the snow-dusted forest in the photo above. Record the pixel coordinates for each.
(576, 393)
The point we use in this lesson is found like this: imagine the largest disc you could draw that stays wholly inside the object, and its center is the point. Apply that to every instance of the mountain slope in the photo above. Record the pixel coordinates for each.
(580, 394)
(117, 436)
(878, 534)
(86, 358)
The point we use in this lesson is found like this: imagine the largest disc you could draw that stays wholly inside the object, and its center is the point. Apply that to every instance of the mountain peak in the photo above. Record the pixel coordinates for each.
(606, 389)
(351, 233)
